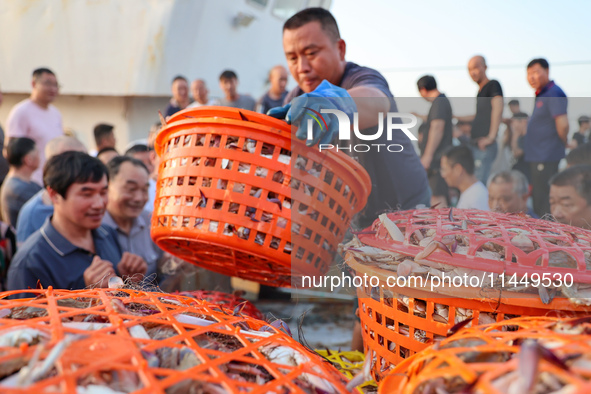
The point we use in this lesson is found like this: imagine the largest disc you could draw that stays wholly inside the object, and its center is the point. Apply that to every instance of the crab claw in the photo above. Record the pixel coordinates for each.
(434, 245)
(364, 375)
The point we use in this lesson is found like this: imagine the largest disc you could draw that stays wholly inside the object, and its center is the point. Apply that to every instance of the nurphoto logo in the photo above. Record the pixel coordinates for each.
(345, 130)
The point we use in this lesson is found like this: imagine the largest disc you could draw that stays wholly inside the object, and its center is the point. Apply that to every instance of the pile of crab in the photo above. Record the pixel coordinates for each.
(532, 355)
(118, 340)
(502, 252)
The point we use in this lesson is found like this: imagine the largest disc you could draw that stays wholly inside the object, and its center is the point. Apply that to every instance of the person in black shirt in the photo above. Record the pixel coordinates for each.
(437, 135)
(486, 121)
(276, 94)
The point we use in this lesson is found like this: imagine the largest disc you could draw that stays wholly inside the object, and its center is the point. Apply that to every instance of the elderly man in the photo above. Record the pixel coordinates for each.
(39, 207)
(128, 193)
(508, 192)
(570, 196)
(200, 94)
(36, 118)
(72, 250)
(276, 94)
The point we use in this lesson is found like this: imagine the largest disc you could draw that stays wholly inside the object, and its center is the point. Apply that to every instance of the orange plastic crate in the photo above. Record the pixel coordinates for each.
(149, 343)
(488, 358)
(238, 195)
(398, 322)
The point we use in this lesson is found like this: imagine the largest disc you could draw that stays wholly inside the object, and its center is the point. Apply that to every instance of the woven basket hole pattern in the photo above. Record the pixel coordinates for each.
(242, 204)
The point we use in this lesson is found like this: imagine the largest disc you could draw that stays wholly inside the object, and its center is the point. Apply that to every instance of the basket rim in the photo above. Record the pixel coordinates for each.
(233, 116)
(507, 298)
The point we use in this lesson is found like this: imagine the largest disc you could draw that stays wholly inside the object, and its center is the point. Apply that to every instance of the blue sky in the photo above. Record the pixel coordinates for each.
(407, 39)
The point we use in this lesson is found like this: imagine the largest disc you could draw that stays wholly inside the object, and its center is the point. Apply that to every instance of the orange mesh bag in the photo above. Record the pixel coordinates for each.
(229, 301)
(112, 341)
(494, 265)
(535, 355)
(231, 198)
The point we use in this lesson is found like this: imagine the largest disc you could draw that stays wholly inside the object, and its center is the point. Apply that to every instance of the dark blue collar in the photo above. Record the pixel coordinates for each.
(545, 88)
(60, 244)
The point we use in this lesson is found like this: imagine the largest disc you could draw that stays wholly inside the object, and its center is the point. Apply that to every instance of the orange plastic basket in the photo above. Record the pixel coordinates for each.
(488, 358)
(398, 321)
(229, 301)
(148, 343)
(238, 195)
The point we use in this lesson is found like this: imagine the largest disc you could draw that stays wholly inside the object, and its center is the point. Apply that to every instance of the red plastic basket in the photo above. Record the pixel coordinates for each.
(487, 358)
(148, 343)
(238, 195)
(399, 321)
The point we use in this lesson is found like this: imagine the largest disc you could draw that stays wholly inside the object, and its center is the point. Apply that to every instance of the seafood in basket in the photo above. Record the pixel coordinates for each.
(410, 305)
(232, 302)
(491, 251)
(121, 341)
(535, 355)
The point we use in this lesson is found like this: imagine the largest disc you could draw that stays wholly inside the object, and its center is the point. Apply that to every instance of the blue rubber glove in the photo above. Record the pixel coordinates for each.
(308, 106)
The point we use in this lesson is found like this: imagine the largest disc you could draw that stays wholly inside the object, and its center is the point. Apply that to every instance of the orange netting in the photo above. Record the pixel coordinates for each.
(402, 317)
(230, 195)
(548, 355)
(229, 301)
(142, 342)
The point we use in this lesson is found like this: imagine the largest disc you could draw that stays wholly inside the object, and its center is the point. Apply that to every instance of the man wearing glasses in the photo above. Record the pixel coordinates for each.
(36, 118)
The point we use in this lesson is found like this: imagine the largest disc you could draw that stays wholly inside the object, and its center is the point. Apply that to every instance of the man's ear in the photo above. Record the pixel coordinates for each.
(342, 47)
(53, 195)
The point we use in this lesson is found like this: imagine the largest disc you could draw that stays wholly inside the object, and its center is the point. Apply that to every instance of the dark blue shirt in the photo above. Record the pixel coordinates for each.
(50, 258)
(542, 143)
(398, 179)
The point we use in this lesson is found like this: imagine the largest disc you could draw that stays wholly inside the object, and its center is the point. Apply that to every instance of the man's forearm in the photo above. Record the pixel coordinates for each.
(562, 127)
(467, 118)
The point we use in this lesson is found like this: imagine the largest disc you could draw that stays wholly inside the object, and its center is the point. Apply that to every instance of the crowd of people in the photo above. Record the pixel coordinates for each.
(81, 217)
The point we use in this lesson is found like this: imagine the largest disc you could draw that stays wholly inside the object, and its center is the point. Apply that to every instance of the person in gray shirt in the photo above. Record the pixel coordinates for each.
(128, 193)
(23, 157)
(229, 83)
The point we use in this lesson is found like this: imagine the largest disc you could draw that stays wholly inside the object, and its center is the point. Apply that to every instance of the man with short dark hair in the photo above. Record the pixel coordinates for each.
(570, 196)
(23, 157)
(35, 117)
(517, 133)
(128, 193)
(107, 154)
(276, 94)
(438, 130)
(457, 168)
(72, 250)
(104, 136)
(580, 155)
(508, 192)
(315, 54)
(514, 106)
(547, 131)
(488, 117)
(180, 96)
(33, 214)
(228, 84)
(141, 152)
(584, 134)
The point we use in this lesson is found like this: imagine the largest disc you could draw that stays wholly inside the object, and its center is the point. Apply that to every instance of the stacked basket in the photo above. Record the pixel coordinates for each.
(238, 195)
(400, 320)
(525, 355)
(114, 341)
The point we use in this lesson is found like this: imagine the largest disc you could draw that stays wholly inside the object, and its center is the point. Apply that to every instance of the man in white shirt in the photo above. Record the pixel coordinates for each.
(457, 169)
(200, 94)
(36, 118)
